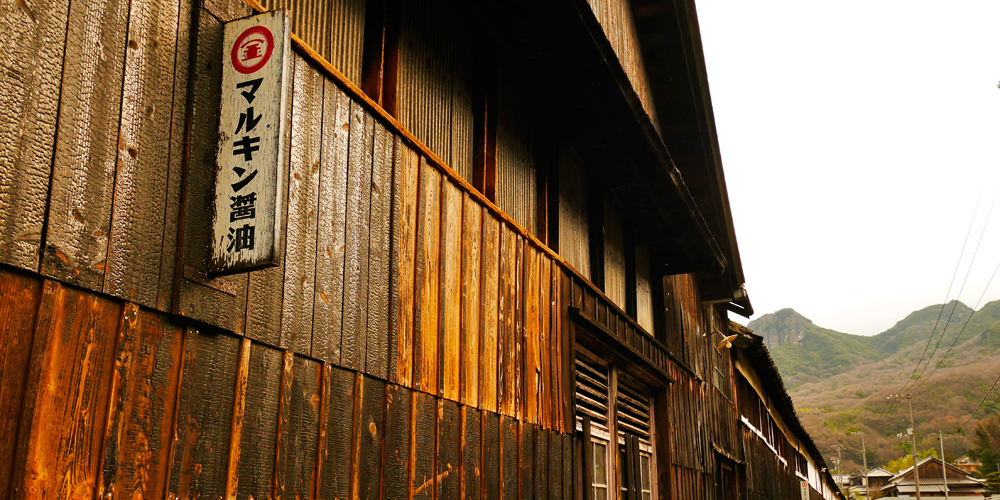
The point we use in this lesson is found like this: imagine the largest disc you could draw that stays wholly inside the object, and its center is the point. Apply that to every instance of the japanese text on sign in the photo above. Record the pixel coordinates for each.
(249, 190)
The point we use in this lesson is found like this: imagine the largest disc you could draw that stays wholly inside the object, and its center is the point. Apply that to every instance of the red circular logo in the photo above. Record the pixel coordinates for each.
(252, 49)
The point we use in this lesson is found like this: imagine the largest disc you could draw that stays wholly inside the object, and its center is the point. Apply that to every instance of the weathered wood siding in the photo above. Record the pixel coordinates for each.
(434, 89)
(614, 253)
(644, 289)
(335, 29)
(517, 192)
(574, 223)
(617, 20)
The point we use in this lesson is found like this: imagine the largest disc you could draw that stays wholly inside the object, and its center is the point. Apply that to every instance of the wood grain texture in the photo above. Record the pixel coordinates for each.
(555, 361)
(285, 430)
(568, 462)
(471, 331)
(531, 379)
(396, 466)
(372, 429)
(69, 382)
(379, 226)
(29, 105)
(204, 417)
(541, 465)
(300, 440)
(450, 351)
(335, 457)
(406, 165)
(517, 342)
(19, 299)
(555, 466)
(177, 159)
(472, 453)
(359, 185)
(424, 447)
(239, 412)
(491, 456)
(140, 423)
(448, 479)
(427, 282)
(566, 382)
(220, 302)
(526, 460)
(140, 188)
(507, 331)
(490, 314)
(509, 459)
(328, 303)
(303, 203)
(260, 423)
(545, 341)
(266, 288)
(83, 167)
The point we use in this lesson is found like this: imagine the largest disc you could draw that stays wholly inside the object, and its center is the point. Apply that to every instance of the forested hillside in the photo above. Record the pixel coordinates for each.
(839, 381)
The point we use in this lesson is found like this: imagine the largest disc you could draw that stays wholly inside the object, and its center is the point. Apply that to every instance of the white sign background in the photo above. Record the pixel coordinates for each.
(249, 189)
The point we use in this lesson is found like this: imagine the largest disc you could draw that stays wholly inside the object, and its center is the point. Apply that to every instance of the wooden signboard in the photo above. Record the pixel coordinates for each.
(253, 140)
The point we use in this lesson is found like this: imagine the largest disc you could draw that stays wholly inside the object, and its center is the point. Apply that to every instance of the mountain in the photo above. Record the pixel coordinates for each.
(839, 381)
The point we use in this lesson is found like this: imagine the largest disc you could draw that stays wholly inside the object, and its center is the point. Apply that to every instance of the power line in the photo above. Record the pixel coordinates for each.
(982, 402)
(890, 405)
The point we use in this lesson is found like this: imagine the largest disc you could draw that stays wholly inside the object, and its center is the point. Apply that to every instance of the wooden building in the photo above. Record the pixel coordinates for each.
(508, 260)
(960, 484)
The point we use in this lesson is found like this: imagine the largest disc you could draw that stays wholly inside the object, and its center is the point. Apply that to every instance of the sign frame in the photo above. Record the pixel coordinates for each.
(253, 144)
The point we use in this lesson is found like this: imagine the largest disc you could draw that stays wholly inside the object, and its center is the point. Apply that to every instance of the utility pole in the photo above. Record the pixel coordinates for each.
(840, 471)
(864, 458)
(913, 439)
(944, 467)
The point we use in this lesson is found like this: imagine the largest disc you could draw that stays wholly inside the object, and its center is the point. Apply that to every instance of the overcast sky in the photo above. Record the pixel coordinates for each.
(856, 138)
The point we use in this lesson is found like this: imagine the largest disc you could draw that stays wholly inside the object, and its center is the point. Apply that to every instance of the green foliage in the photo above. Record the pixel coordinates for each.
(906, 461)
(861, 394)
(993, 481)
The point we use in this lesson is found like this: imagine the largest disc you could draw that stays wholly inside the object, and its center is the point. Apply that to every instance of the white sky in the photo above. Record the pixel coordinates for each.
(856, 137)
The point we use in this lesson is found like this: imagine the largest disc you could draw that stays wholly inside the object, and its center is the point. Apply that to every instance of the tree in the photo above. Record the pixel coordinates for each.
(906, 461)
(993, 481)
(986, 445)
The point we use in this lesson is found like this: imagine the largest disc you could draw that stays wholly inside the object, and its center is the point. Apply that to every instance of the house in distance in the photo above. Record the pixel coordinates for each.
(375, 250)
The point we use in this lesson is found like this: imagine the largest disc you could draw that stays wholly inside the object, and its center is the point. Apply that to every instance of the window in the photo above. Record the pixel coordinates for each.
(610, 404)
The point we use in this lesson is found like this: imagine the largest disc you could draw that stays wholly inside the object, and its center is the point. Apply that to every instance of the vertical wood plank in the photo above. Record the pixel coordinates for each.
(19, 299)
(303, 199)
(300, 441)
(359, 185)
(175, 163)
(490, 313)
(396, 467)
(555, 347)
(425, 334)
(555, 466)
(257, 443)
(491, 456)
(83, 167)
(472, 451)
(332, 214)
(449, 460)
(450, 352)
(372, 429)
(335, 457)
(239, 412)
(544, 341)
(204, 416)
(517, 342)
(69, 381)
(220, 301)
(140, 423)
(29, 108)
(140, 187)
(404, 237)
(541, 465)
(566, 357)
(567, 470)
(424, 448)
(285, 429)
(266, 289)
(526, 460)
(377, 340)
(472, 219)
(507, 333)
(509, 459)
(532, 360)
